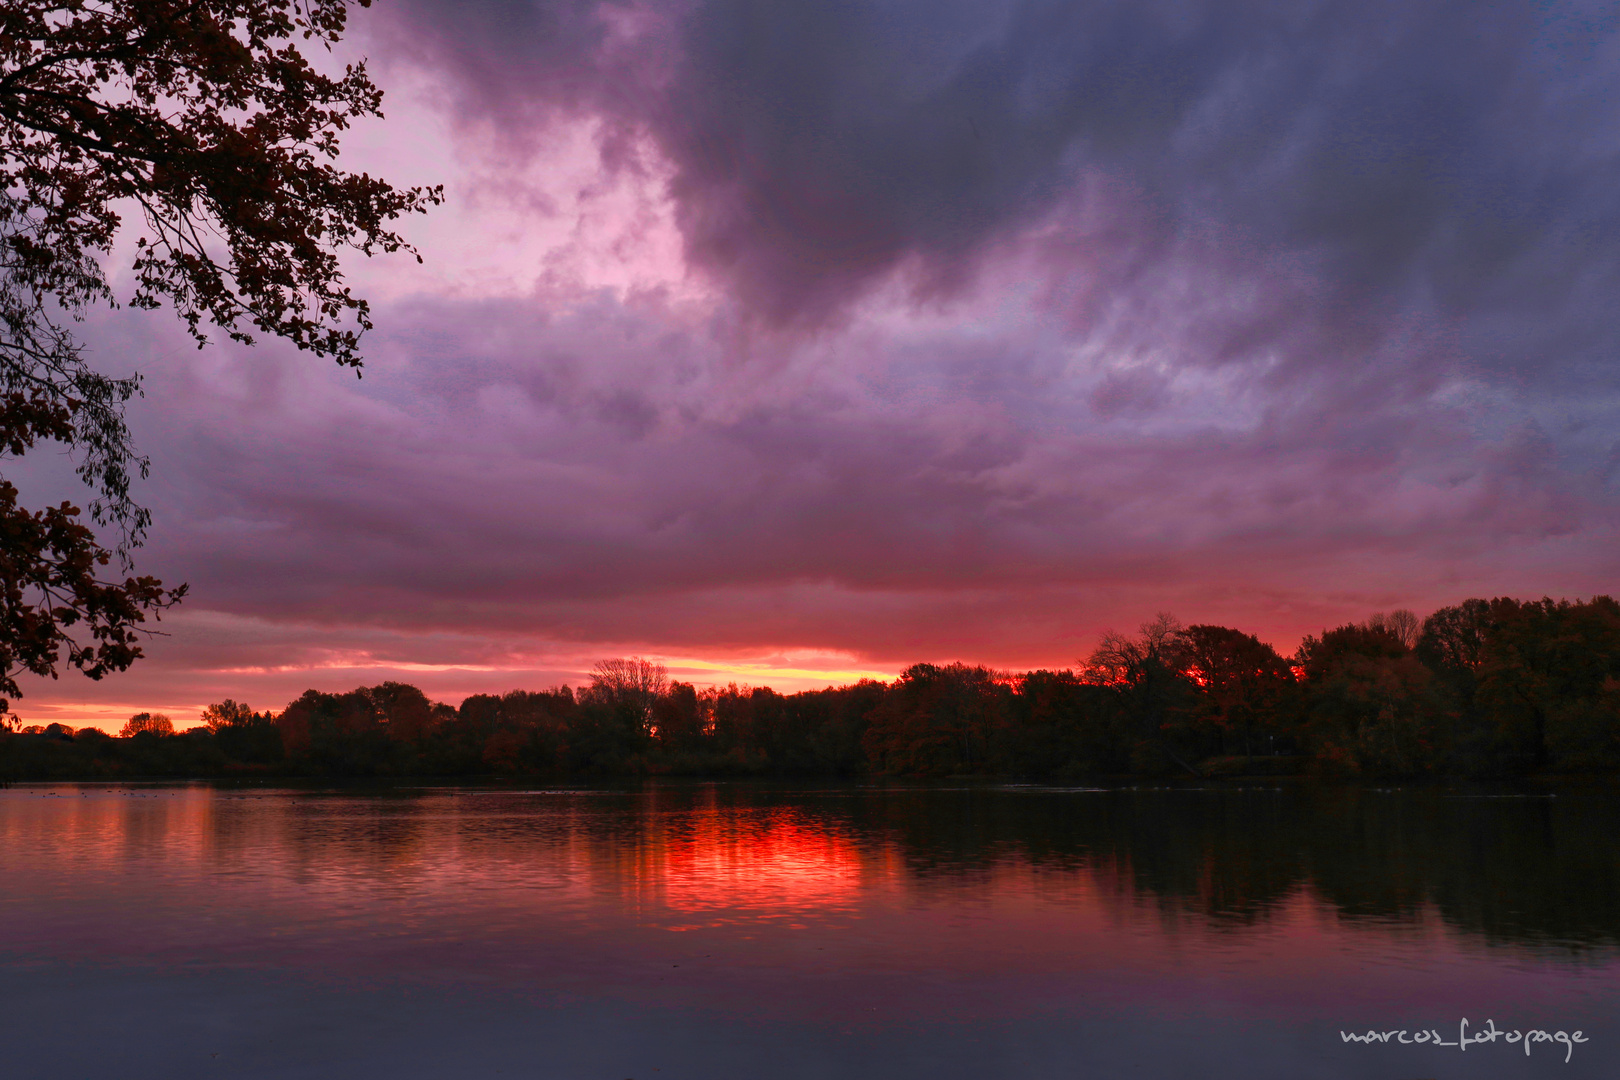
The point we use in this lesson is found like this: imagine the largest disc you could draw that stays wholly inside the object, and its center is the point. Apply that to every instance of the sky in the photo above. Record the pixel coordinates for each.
(795, 343)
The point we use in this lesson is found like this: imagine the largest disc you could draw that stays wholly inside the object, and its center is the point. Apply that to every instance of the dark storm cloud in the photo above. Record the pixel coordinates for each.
(1304, 296)
(1442, 162)
(1025, 320)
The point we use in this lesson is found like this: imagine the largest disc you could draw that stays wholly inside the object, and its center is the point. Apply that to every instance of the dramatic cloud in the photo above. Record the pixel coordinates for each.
(1432, 162)
(829, 337)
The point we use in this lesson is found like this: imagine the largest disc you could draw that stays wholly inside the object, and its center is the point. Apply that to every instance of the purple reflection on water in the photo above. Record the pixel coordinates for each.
(716, 930)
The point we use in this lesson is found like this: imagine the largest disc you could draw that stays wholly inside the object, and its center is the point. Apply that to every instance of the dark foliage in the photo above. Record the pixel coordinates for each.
(206, 117)
(56, 609)
(1488, 688)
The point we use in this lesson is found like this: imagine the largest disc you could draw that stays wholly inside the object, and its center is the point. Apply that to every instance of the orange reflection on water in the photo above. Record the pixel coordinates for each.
(780, 864)
(711, 862)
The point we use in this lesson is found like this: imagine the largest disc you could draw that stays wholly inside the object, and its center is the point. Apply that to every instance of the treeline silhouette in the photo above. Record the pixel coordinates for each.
(1488, 688)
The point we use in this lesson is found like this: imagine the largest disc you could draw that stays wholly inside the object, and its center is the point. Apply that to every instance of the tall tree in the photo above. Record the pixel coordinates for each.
(1400, 624)
(224, 714)
(1150, 673)
(1243, 679)
(1452, 644)
(937, 720)
(1319, 656)
(1372, 705)
(1549, 679)
(630, 685)
(206, 116)
(146, 723)
(1453, 638)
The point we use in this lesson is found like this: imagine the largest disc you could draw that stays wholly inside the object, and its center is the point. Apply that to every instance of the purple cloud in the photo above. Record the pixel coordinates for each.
(1007, 323)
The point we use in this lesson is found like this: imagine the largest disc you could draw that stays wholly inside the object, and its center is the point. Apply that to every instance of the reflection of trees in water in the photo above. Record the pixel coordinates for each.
(1225, 854)
(324, 836)
(1536, 871)
(1539, 871)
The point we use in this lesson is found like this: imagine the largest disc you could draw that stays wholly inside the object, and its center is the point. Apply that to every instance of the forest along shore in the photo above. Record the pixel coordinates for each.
(1489, 688)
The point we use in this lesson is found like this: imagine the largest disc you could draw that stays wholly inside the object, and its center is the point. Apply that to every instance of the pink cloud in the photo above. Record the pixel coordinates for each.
(747, 341)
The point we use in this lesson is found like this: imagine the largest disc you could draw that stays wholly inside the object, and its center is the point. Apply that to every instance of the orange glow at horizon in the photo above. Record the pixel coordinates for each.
(793, 678)
(787, 673)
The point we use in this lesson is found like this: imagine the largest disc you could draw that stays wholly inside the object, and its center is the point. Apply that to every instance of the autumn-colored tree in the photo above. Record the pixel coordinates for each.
(1317, 656)
(1062, 724)
(519, 731)
(1373, 706)
(1150, 674)
(207, 117)
(340, 734)
(1245, 683)
(1376, 715)
(938, 720)
(1549, 681)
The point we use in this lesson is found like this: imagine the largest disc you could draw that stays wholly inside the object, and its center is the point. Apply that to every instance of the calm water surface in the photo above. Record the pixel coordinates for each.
(678, 931)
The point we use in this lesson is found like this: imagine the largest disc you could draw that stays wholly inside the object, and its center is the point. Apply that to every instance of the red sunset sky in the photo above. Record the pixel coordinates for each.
(791, 344)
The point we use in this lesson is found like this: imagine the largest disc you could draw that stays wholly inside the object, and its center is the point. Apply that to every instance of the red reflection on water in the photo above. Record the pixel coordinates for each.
(698, 862)
(790, 907)
(778, 864)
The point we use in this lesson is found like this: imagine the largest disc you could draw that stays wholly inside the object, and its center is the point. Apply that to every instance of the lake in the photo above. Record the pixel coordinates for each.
(673, 931)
